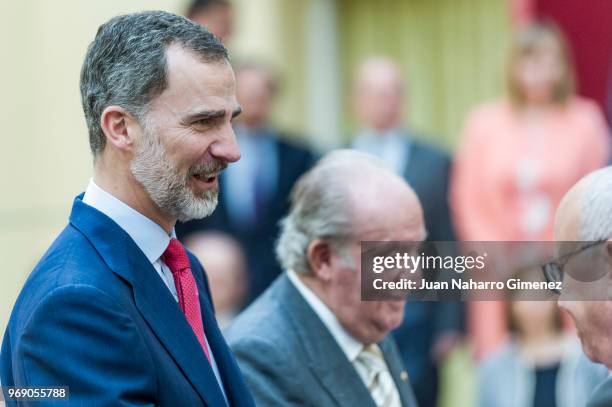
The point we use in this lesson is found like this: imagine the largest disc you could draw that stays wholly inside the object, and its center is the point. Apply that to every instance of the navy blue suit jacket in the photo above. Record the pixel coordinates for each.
(94, 315)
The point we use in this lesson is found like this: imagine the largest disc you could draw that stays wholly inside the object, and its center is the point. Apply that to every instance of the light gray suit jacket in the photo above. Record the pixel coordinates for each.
(602, 396)
(506, 379)
(289, 358)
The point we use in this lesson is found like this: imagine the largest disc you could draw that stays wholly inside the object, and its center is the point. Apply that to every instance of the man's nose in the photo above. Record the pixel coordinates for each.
(562, 303)
(226, 148)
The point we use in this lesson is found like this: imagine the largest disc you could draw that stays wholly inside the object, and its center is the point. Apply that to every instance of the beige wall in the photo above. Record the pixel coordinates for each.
(273, 31)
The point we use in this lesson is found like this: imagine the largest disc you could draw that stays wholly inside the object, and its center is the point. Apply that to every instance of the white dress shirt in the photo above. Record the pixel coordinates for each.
(150, 238)
(391, 146)
(351, 347)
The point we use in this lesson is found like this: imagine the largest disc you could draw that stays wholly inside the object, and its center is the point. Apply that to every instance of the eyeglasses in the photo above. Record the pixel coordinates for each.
(553, 270)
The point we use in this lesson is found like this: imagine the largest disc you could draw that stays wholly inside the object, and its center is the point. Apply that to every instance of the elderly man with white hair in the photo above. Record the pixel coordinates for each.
(310, 340)
(585, 267)
(379, 97)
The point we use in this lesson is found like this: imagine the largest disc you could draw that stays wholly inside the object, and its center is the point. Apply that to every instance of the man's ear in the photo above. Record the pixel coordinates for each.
(119, 127)
(608, 252)
(319, 259)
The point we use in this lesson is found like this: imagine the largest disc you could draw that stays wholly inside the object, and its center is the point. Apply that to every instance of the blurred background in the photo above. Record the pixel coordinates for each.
(449, 56)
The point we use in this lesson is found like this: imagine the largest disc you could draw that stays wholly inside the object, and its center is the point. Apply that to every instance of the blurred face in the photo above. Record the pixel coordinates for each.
(534, 318)
(227, 288)
(223, 261)
(218, 20)
(254, 95)
(593, 319)
(538, 73)
(370, 321)
(378, 97)
(187, 137)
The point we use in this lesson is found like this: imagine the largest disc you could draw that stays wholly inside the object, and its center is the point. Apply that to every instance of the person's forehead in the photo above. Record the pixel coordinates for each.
(189, 73)
(567, 223)
(384, 225)
(568, 211)
(380, 81)
(377, 74)
(249, 73)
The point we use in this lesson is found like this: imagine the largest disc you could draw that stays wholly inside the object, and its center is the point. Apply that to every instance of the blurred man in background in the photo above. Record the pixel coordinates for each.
(430, 329)
(225, 265)
(585, 216)
(310, 340)
(215, 15)
(254, 192)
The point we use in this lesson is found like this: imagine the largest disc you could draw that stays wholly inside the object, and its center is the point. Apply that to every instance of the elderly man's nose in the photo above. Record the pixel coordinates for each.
(563, 303)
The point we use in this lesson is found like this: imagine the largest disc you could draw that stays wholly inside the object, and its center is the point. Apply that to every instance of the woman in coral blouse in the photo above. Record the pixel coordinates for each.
(518, 156)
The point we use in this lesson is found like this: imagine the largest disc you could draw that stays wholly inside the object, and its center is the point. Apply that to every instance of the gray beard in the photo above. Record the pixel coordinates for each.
(167, 187)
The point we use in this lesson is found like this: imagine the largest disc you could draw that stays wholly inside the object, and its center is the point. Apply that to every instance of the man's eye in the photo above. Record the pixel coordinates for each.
(206, 123)
(203, 122)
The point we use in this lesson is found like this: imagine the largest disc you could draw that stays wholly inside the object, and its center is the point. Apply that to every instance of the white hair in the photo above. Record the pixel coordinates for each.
(596, 205)
(322, 206)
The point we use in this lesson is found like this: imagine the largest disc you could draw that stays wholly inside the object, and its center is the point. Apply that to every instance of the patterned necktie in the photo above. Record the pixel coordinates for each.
(371, 366)
(177, 261)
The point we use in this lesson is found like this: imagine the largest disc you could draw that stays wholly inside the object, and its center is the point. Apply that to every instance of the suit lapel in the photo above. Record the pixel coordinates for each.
(398, 372)
(151, 296)
(235, 388)
(414, 168)
(325, 357)
(419, 163)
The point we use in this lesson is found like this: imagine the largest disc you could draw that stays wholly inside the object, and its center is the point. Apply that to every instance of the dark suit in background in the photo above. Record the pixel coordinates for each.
(95, 315)
(279, 164)
(289, 358)
(426, 169)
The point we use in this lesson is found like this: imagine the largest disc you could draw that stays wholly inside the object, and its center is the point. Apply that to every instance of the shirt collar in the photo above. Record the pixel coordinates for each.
(151, 238)
(372, 136)
(349, 345)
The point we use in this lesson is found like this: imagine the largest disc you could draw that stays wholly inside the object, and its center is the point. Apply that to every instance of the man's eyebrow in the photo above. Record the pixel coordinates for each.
(204, 115)
(209, 115)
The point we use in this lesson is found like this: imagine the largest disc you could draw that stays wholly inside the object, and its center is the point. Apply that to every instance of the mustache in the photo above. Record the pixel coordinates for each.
(206, 169)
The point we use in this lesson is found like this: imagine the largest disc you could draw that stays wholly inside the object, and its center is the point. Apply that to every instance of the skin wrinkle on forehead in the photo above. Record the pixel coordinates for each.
(196, 111)
(190, 74)
(380, 234)
(199, 114)
(197, 92)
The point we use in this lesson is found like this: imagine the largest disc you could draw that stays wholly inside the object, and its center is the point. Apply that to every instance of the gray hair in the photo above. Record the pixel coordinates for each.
(596, 205)
(322, 206)
(125, 64)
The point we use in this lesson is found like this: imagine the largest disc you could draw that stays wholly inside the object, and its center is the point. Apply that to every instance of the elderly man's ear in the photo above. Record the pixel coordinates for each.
(608, 253)
(320, 259)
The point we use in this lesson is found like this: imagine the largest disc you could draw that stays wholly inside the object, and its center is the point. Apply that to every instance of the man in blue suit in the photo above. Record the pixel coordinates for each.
(116, 309)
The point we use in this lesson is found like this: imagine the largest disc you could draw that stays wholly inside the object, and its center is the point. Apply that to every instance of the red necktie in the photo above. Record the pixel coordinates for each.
(177, 261)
